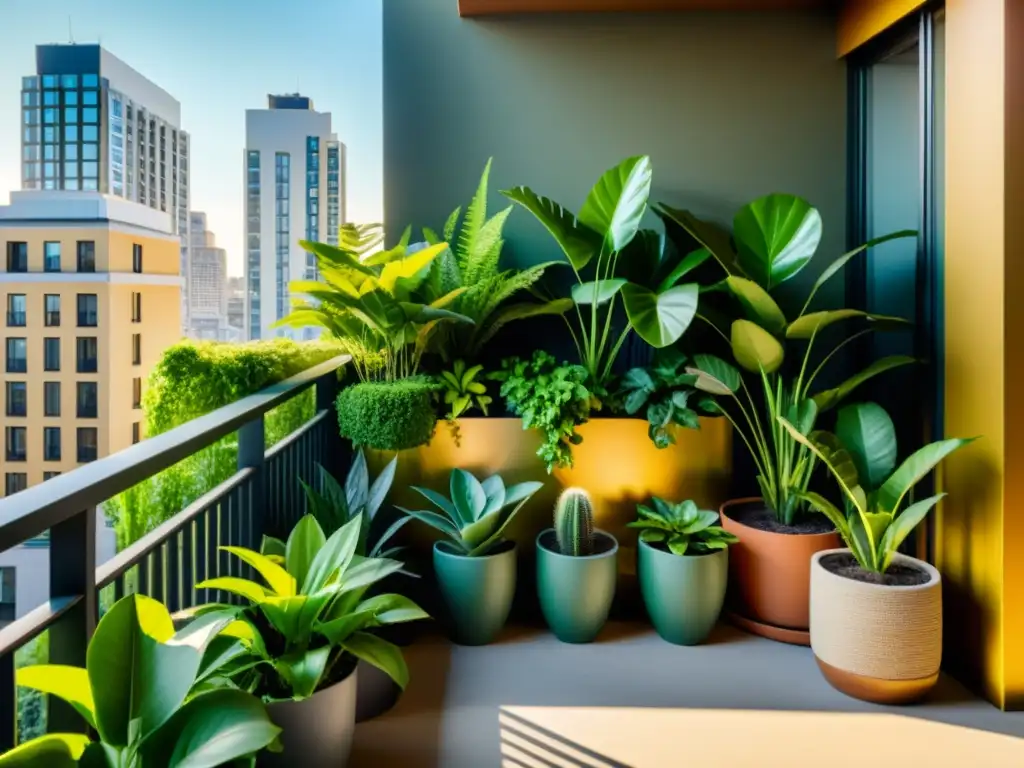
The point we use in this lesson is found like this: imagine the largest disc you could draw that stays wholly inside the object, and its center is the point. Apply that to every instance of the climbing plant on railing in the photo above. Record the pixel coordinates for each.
(193, 379)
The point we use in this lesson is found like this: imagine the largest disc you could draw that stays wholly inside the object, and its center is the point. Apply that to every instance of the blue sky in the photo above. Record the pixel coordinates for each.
(219, 58)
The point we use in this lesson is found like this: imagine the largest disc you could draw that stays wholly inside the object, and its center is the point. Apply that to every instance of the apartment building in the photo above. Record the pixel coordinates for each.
(92, 295)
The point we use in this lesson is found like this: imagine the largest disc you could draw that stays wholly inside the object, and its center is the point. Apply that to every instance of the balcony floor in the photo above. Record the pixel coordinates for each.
(633, 700)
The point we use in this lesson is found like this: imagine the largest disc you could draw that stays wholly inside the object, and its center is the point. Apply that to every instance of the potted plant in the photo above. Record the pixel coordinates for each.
(773, 239)
(683, 564)
(296, 640)
(576, 570)
(876, 614)
(475, 566)
(333, 506)
(147, 696)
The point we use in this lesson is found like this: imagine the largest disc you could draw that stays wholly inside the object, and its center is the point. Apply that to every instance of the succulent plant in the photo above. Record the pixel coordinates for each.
(682, 528)
(574, 522)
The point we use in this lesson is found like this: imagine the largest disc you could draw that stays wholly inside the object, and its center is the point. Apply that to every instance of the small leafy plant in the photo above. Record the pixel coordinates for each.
(862, 460)
(682, 528)
(463, 391)
(551, 398)
(574, 523)
(665, 393)
(307, 622)
(388, 415)
(145, 694)
(477, 513)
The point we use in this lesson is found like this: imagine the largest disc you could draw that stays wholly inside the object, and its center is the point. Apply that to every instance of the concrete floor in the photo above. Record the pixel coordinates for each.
(631, 699)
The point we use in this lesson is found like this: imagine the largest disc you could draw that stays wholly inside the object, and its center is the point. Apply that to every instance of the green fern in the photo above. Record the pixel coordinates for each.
(476, 216)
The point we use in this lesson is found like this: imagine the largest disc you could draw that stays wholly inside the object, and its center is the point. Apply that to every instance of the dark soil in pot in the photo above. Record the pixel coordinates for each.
(758, 515)
(845, 565)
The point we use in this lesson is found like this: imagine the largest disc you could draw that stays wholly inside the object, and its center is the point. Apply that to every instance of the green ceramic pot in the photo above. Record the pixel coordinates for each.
(477, 591)
(576, 593)
(683, 594)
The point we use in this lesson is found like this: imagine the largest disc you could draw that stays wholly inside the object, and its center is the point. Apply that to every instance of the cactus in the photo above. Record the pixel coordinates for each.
(574, 522)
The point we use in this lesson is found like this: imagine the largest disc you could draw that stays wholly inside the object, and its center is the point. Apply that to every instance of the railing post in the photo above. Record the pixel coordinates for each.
(335, 450)
(251, 454)
(72, 573)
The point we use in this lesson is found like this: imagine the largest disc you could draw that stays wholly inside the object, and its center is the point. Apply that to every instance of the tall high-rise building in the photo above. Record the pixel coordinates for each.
(207, 288)
(92, 123)
(91, 290)
(295, 190)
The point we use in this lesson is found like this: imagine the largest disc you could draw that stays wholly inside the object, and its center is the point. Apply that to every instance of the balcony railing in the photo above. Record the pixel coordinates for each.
(263, 496)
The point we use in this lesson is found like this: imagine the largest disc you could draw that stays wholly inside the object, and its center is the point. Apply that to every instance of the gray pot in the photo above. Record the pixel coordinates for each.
(316, 732)
(376, 692)
(683, 593)
(576, 593)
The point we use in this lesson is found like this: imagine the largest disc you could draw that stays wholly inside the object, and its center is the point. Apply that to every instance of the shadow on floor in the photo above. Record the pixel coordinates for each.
(524, 743)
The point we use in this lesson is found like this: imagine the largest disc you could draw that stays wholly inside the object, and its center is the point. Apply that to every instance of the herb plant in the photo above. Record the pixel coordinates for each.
(682, 528)
(553, 399)
(477, 513)
(463, 391)
(145, 694)
(862, 459)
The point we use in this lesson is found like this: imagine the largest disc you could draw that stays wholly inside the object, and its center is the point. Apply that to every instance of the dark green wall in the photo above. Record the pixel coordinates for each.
(729, 106)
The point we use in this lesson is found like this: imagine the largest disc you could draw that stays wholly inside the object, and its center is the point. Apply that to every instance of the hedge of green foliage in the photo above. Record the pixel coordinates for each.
(192, 379)
(388, 415)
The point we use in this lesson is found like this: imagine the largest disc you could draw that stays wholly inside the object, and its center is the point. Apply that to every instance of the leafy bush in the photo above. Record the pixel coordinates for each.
(551, 398)
(191, 380)
(388, 415)
(681, 528)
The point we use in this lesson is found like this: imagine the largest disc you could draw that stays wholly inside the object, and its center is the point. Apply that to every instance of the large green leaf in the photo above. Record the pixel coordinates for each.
(597, 292)
(250, 590)
(306, 539)
(435, 521)
(439, 501)
(754, 348)
(806, 326)
(714, 375)
(660, 319)
(685, 266)
(393, 609)
(334, 255)
(759, 305)
(837, 461)
(829, 510)
(832, 397)
(775, 237)
(212, 729)
(618, 201)
(54, 750)
(867, 432)
(708, 235)
(278, 579)
(335, 555)
(303, 670)
(579, 243)
(386, 656)
(379, 490)
(369, 571)
(480, 530)
(468, 496)
(915, 467)
(902, 526)
(69, 683)
(293, 617)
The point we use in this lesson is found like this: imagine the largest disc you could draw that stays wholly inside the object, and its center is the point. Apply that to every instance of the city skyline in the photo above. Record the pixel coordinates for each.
(214, 99)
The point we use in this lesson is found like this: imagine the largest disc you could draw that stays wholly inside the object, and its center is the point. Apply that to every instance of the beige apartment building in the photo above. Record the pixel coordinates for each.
(91, 291)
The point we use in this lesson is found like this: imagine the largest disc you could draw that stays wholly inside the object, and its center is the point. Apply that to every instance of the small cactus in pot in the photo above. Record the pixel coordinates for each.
(576, 570)
(574, 523)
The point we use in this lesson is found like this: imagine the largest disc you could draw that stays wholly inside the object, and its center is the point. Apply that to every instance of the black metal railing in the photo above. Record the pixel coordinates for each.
(263, 496)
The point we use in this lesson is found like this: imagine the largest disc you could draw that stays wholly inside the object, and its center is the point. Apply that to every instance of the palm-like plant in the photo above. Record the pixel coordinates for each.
(368, 301)
(473, 265)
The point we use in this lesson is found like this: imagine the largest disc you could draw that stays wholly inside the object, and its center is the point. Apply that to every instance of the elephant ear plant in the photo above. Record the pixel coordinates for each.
(863, 462)
(142, 694)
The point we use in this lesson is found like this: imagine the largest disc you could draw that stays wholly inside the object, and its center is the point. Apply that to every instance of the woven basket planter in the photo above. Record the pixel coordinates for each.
(875, 642)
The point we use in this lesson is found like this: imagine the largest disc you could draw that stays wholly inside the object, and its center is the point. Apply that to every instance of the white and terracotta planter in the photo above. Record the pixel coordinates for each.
(876, 642)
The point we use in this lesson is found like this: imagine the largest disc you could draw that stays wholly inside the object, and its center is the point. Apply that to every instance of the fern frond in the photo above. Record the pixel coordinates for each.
(449, 226)
(476, 215)
(507, 285)
(444, 276)
(482, 262)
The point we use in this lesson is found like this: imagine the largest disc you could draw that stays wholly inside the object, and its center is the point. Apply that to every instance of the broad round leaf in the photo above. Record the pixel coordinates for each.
(306, 539)
(660, 319)
(597, 292)
(617, 202)
(868, 434)
(916, 466)
(759, 305)
(714, 375)
(775, 237)
(754, 348)
(386, 656)
(69, 683)
(54, 750)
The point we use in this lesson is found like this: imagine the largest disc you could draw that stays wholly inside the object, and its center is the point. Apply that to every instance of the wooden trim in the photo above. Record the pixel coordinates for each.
(862, 20)
(494, 7)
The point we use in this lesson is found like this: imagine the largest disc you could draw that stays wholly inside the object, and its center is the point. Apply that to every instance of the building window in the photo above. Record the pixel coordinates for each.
(137, 392)
(51, 443)
(51, 257)
(16, 306)
(87, 396)
(87, 443)
(282, 228)
(86, 256)
(49, 475)
(88, 314)
(137, 258)
(136, 432)
(51, 398)
(51, 354)
(17, 398)
(17, 355)
(16, 443)
(252, 213)
(136, 307)
(14, 482)
(17, 257)
(51, 310)
(136, 349)
(86, 349)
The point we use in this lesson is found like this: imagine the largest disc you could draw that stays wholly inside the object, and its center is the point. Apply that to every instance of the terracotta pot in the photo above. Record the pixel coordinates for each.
(876, 642)
(770, 577)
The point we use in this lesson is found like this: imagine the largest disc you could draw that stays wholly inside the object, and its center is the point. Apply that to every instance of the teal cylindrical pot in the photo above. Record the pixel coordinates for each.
(576, 593)
(683, 593)
(477, 591)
